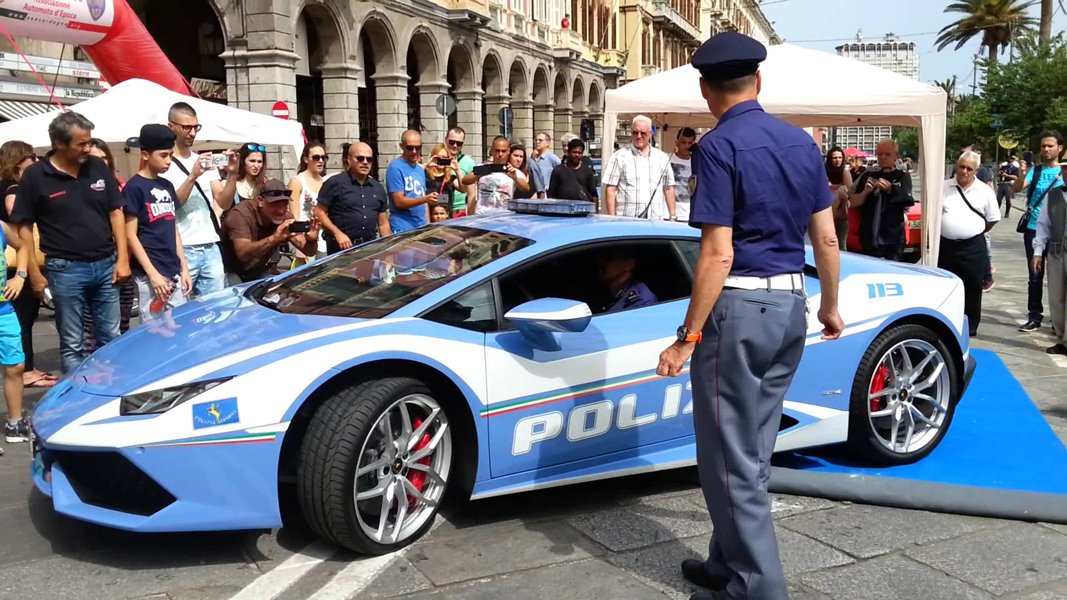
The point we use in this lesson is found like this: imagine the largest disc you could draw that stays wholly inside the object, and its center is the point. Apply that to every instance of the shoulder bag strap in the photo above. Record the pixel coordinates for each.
(1043, 194)
(969, 205)
(581, 189)
(207, 199)
(1033, 187)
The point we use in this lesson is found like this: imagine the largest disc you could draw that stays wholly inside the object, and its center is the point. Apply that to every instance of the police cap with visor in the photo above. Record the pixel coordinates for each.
(727, 56)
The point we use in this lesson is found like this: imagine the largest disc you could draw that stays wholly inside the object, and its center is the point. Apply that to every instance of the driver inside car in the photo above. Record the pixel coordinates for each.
(615, 270)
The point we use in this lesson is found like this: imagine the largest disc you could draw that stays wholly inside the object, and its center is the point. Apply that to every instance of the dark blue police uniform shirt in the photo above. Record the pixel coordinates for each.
(152, 202)
(631, 295)
(764, 178)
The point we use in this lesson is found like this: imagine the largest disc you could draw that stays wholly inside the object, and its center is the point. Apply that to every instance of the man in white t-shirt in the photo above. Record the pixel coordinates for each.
(639, 181)
(197, 219)
(682, 165)
(495, 188)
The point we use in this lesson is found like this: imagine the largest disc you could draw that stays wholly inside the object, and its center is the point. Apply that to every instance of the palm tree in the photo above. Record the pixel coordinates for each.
(998, 21)
(949, 85)
(1045, 29)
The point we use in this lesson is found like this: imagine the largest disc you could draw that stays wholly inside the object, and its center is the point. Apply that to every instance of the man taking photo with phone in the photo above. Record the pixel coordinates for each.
(496, 180)
(252, 233)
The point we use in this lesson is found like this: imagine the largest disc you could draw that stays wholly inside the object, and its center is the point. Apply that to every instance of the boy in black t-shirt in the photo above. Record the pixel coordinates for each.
(159, 272)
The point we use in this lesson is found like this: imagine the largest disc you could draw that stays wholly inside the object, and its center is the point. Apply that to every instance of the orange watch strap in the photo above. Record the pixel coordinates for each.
(695, 337)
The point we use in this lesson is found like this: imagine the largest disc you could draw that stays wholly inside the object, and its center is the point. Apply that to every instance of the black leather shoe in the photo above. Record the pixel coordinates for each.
(696, 572)
(1030, 325)
(1057, 349)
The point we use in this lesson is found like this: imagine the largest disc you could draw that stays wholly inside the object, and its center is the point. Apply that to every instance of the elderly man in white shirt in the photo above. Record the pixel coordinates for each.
(969, 209)
(639, 179)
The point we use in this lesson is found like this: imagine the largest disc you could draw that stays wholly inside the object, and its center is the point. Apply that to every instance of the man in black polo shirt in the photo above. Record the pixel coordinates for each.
(352, 206)
(74, 200)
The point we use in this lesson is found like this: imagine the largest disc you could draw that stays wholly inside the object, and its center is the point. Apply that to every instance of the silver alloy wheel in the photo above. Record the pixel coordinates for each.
(907, 411)
(403, 469)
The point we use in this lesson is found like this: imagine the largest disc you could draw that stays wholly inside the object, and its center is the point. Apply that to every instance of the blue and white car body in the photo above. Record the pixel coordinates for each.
(536, 416)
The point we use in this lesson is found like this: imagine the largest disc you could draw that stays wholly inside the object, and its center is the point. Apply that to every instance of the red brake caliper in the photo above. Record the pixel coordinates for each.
(418, 478)
(881, 378)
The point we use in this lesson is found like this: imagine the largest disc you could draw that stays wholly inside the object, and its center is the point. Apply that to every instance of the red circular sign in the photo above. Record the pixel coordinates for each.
(280, 110)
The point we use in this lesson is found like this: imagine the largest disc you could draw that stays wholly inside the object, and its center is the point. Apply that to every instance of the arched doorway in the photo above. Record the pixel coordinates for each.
(495, 98)
(192, 37)
(376, 57)
(463, 88)
(595, 114)
(542, 98)
(561, 94)
(521, 103)
(424, 86)
(317, 42)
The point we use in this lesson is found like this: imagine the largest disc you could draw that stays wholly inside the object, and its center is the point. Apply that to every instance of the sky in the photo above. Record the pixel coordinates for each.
(823, 24)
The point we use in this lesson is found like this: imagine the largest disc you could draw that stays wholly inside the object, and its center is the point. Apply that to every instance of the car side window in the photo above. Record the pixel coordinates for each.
(474, 309)
(578, 274)
(690, 250)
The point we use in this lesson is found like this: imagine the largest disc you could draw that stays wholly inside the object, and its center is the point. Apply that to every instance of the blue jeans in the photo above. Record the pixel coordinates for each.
(75, 286)
(205, 268)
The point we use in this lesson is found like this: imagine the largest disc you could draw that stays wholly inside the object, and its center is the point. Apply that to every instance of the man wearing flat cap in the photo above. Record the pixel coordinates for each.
(761, 187)
(253, 231)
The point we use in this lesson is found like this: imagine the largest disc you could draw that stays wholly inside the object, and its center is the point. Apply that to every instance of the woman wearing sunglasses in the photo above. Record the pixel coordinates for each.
(250, 169)
(305, 190)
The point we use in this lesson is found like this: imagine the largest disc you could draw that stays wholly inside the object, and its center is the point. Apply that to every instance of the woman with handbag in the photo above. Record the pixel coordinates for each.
(968, 210)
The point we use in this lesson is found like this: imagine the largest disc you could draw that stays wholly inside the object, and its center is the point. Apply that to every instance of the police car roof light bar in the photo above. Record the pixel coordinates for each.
(552, 208)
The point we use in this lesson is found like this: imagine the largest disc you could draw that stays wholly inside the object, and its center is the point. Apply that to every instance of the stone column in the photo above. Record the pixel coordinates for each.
(544, 120)
(524, 122)
(392, 108)
(340, 101)
(434, 124)
(469, 117)
(563, 123)
(492, 126)
(255, 80)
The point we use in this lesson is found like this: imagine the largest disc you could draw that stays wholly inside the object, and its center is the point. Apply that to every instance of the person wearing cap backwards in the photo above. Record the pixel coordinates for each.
(760, 187)
(253, 231)
(159, 272)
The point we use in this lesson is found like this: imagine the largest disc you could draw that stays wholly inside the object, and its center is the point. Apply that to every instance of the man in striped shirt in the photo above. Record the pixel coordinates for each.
(639, 178)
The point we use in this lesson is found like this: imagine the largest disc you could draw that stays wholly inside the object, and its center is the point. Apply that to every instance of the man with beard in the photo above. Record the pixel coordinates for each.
(572, 179)
(74, 199)
(253, 231)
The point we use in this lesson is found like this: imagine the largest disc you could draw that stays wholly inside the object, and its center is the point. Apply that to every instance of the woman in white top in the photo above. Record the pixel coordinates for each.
(968, 210)
(305, 190)
(251, 168)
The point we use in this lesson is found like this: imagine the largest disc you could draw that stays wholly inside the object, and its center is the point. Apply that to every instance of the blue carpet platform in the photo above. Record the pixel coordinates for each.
(999, 459)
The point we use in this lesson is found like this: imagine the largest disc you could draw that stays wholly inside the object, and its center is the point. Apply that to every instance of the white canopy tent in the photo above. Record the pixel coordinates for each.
(809, 88)
(119, 113)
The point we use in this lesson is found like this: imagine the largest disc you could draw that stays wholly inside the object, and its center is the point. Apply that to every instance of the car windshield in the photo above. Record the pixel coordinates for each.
(377, 278)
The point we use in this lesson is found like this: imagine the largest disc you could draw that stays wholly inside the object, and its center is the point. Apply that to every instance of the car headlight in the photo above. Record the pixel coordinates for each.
(160, 401)
(915, 224)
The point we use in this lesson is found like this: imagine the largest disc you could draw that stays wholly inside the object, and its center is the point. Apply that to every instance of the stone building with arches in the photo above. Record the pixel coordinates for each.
(369, 70)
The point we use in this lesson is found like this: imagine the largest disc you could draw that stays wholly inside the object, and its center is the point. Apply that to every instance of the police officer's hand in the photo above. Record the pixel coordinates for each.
(832, 324)
(343, 241)
(1035, 264)
(674, 358)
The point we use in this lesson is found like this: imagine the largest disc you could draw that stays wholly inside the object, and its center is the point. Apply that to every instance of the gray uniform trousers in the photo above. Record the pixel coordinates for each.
(740, 373)
(1056, 268)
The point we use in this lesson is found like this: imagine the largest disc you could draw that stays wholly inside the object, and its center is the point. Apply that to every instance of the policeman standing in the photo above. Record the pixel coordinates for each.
(760, 186)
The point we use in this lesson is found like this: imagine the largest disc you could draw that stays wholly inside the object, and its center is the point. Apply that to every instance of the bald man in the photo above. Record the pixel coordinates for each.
(882, 196)
(405, 179)
(352, 206)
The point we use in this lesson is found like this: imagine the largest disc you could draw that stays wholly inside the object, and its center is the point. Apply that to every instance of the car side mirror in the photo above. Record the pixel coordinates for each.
(539, 320)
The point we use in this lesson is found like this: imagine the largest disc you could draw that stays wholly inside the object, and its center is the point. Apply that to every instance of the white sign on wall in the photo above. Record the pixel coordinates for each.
(51, 66)
(35, 89)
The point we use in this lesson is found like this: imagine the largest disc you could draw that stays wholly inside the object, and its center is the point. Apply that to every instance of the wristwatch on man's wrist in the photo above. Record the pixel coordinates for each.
(684, 335)
(22, 274)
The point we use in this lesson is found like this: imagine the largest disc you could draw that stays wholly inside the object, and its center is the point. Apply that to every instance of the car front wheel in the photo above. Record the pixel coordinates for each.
(903, 397)
(375, 464)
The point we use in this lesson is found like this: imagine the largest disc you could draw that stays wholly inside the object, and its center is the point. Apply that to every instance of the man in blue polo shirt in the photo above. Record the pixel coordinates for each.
(761, 186)
(405, 180)
(1047, 175)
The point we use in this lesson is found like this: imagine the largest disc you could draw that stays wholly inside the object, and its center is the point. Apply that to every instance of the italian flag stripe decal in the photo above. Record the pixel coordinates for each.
(571, 393)
(239, 439)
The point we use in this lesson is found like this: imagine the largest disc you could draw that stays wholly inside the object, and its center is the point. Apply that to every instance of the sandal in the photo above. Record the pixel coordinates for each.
(45, 380)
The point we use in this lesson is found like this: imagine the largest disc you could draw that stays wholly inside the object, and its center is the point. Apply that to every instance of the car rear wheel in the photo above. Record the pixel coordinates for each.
(903, 397)
(375, 464)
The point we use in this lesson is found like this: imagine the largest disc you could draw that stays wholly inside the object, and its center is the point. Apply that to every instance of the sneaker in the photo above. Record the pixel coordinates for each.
(988, 285)
(19, 432)
(1030, 325)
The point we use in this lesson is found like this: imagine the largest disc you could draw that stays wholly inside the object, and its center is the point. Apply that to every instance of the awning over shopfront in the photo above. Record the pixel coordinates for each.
(11, 110)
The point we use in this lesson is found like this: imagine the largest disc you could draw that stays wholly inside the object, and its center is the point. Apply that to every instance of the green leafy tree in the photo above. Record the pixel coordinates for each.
(1029, 93)
(998, 22)
(970, 123)
(907, 139)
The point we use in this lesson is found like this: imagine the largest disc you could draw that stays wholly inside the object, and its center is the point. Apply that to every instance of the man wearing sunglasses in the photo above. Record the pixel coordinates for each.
(454, 142)
(200, 190)
(405, 180)
(352, 206)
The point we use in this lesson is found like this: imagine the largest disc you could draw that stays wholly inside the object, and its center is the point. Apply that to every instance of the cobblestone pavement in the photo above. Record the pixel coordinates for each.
(618, 539)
